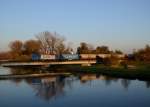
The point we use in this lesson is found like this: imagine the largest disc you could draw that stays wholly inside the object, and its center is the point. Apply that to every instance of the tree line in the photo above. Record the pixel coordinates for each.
(45, 43)
(142, 55)
(86, 48)
(53, 43)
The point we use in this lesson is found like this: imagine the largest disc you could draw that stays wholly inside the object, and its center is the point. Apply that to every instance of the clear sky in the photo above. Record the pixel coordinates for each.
(120, 24)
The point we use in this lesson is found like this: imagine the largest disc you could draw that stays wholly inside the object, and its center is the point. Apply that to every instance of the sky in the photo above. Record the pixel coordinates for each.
(119, 24)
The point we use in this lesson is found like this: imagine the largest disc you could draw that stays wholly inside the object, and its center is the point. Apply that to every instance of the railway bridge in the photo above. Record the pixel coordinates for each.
(49, 63)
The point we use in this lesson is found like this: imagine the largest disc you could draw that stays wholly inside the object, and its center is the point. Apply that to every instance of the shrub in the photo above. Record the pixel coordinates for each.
(23, 58)
(124, 64)
(107, 61)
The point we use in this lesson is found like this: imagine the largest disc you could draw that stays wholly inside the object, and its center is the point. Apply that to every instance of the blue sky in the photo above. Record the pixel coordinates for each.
(120, 24)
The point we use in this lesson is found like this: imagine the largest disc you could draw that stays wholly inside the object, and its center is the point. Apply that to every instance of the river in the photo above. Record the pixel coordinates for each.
(82, 90)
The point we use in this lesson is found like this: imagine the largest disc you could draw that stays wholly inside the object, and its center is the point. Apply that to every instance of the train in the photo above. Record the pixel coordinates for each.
(43, 57)
(62, 57)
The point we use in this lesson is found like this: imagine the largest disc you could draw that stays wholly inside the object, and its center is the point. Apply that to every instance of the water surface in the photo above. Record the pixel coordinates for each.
(84, 90)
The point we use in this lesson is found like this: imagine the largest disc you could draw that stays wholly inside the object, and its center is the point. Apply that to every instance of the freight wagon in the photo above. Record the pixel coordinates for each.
(47, 57)
(93, 56)
(104, 55)
(68, 57)
(35, 57)
(87, 56)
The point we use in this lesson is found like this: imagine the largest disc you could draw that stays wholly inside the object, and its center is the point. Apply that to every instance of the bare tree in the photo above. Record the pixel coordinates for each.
(69, 49)
(51, 42)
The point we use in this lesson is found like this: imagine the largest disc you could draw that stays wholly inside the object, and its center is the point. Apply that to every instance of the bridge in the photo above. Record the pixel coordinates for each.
(49, 63)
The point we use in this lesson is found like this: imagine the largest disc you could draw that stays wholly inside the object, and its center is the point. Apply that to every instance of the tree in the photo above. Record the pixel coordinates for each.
(142, 54)
(102, 50)
(84, 48)
(118, 52)
(147, 48)
(69, 49)
(16, 48)
(60, 49)
(50, 42)
(32, 46)
(78, 50)
(5, 55)
(98, 49)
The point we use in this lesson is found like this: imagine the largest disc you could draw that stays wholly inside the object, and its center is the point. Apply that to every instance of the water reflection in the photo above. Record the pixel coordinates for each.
(54, 87)
(48, 88)
(54, 82)
(90, 77)
(148, 84)
(125, 83)
(4, 71)
(108, 80)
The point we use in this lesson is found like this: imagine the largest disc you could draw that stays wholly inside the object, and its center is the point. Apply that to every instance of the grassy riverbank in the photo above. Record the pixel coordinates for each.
(131, 72)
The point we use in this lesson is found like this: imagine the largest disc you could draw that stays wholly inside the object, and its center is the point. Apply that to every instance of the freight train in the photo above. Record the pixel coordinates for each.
(42, 57)
(62, 57)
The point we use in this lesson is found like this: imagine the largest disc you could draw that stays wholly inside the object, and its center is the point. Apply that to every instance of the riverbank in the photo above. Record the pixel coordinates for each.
(132, 72)
(11, 76)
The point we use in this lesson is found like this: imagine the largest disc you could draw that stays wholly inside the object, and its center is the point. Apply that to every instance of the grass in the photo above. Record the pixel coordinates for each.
(140, 72)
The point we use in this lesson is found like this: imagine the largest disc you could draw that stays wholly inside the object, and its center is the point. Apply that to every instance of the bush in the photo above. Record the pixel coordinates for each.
(124, 64)
(107, 61)
(23, 58)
